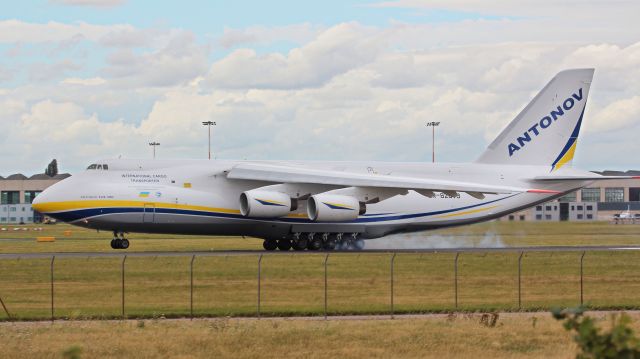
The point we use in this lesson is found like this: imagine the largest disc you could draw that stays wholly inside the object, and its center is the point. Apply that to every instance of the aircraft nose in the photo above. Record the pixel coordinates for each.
(45, 202)
(40, 202)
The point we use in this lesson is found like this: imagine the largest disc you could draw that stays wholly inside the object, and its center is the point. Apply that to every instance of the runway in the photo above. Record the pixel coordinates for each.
(119, 254)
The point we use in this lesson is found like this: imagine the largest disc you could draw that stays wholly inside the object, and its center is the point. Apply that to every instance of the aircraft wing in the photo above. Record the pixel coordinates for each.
(288, 174)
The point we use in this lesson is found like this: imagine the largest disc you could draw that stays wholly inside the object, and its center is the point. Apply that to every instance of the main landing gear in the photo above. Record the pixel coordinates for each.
(118, 241)
(316, 242)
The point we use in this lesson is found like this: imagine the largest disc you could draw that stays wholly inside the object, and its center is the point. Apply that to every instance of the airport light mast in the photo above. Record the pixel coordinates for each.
(154, 144)
(433, 126)
(209, 124)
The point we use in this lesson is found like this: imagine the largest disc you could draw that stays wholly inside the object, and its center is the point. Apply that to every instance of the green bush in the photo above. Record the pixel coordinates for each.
(73, 352)
(619, 342)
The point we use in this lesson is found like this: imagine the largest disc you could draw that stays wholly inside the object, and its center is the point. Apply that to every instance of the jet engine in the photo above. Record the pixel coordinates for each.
(266, 204)
(334, 208)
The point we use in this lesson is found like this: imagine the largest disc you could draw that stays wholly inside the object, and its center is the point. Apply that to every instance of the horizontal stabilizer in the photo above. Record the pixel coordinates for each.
(582, 178)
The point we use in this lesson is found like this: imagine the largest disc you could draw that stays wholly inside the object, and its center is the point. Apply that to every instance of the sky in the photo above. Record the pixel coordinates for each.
(82, 80)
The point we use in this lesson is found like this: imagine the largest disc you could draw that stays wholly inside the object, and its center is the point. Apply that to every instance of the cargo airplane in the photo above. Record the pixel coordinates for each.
(328, 205)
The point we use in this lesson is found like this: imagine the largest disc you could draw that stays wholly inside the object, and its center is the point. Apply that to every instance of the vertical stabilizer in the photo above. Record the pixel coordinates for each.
(546, 131)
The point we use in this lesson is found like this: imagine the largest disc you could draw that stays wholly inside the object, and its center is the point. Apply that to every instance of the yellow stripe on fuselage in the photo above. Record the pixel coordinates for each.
(467, 212)
(50, 207)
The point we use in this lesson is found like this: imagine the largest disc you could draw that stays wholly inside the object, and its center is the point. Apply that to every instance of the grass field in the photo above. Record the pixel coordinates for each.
(454, 336)
(76, 239)
(491, 234)
(294, 285)
(357, 283)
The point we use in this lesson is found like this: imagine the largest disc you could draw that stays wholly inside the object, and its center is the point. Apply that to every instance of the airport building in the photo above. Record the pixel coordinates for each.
(17, 193)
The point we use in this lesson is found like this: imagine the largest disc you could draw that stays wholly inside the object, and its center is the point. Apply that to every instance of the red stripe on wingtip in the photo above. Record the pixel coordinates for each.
(635, 177)
(545, 191)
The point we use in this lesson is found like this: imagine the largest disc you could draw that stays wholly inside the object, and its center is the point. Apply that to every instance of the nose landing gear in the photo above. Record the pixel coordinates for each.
(118, 241)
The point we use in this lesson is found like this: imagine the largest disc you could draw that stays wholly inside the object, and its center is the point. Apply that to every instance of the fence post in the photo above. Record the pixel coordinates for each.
(326, 258)
(520, 281)
(455, 279)
(53, 258)
(123, 262)
(191, 286)
(259, 270)
(581, 281)
(5, 308)
(393, 259)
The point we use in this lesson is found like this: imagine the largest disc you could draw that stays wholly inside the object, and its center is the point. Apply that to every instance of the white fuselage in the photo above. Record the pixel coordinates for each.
(196, 197)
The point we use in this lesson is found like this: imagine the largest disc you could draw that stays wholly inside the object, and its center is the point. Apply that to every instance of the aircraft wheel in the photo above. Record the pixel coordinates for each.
(270, 244)
(348, 245)
(299, 245)
(329, 244)
(358, 244)
(315, 244)
(114, 243)
(284, 244)
(124, 243)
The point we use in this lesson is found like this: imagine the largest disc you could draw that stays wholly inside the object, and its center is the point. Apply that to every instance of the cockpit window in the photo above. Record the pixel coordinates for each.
(94, 166)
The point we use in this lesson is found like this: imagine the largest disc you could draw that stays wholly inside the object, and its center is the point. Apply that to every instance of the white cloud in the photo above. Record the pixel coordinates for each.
(263, 35)
(335, 51)
(592, 10)
(346, 92)
(63, 130)
(178, 61)
(377, 109)
(16, 31)
(5, 74)
(46, 72)
(127, 37)
(93, 81)
(617, 115)
(93, 3)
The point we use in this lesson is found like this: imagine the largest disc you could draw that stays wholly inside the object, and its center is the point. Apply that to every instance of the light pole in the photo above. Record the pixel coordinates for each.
(209, 124)
(154, 144)
(433, 126)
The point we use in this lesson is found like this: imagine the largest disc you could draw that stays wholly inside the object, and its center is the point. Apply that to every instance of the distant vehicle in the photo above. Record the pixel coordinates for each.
(328, 205)
(48, 220)
(626, 214)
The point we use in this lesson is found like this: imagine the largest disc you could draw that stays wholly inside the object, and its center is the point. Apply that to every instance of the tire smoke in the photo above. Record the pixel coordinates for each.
(426, 240)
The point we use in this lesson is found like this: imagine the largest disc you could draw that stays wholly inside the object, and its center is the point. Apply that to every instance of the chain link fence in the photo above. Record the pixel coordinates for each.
(143, 285)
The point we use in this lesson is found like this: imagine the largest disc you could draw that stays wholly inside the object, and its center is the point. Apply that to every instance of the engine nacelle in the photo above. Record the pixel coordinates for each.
(266, 204)
(334, 208)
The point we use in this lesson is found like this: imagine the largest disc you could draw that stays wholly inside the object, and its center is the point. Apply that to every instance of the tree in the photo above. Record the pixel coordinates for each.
(52, 168)
(619, 342)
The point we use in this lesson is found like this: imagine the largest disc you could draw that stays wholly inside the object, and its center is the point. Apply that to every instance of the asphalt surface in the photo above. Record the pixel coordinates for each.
(122, 253)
